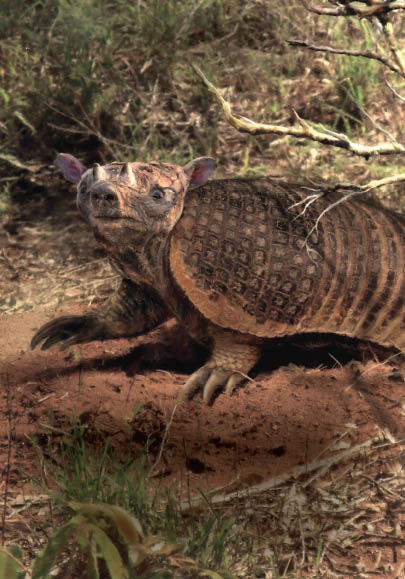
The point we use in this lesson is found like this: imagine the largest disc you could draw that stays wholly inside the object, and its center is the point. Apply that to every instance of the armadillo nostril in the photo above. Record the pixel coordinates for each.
(103, 195)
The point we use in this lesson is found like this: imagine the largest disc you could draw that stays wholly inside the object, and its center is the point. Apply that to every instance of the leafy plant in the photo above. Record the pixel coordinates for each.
(11, 565)
(100, 533)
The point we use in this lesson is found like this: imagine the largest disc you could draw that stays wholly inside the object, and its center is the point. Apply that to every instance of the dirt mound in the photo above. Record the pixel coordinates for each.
(283, 418)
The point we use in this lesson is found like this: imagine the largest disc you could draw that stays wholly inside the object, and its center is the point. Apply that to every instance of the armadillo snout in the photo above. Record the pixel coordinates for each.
(103, 196)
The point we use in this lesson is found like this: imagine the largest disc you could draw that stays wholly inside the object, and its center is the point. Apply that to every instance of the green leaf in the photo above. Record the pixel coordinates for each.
(130, 530)
(128, 526)
(110, 554)
(45, 560)
(92, 561)
(10, 566)
(16, 551)
(24, 121)
(4, 96)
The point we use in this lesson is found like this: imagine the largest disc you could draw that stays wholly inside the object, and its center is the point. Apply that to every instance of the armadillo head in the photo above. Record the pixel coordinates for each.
(121, 200)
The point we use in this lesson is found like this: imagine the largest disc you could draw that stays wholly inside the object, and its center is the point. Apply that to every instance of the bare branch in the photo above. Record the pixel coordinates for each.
(396, 93)
(363, 53)
(348, 191)
(356, 8)
(340, 11)
(275, 482)
(393, 46)
(304, 131)
(376, 183)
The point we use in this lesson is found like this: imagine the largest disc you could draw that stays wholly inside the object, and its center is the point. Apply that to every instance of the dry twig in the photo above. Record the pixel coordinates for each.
(303, 131)
(361, 9)
(376, 11)
(348, 192)
(385, 60)
(277, 481)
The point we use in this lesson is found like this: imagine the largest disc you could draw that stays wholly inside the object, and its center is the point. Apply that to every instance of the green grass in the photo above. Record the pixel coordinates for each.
(108, 512)
(114, 78)
(107, 80)
(5, 199)
(88, 476)
(79, 65)
(355, 79)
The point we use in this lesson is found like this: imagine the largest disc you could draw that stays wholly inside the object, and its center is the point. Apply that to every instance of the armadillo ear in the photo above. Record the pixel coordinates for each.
(71, 168)
(199, 170)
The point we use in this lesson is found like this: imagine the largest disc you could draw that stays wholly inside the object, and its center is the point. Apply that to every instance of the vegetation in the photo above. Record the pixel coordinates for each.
(111, 79)
(101, 537)
(104, 517)
(107, 80)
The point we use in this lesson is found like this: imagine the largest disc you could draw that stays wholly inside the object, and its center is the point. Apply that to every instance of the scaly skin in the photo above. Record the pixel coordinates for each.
(236, 261)
(130, 311)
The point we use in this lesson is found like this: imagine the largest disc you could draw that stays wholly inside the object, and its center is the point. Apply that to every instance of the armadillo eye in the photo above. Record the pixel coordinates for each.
(157, 194)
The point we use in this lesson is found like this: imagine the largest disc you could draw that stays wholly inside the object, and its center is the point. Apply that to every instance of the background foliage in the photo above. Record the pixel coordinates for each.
(111, 79)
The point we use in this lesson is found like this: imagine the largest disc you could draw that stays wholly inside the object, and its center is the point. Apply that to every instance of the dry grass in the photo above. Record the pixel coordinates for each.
(342, 516)
(41, 270)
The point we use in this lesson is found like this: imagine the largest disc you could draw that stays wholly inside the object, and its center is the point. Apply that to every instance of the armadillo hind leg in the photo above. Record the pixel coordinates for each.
(227, 367)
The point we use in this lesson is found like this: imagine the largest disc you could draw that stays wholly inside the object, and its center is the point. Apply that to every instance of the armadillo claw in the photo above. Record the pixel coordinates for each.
(209, 380)
(66, 330)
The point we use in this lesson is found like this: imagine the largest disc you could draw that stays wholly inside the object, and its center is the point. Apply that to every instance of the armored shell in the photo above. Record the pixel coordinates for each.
(251, 260)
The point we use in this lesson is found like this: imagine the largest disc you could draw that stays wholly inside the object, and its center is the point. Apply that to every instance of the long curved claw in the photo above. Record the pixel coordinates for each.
(216, 380)
(209, 380)
(66, 330)
(194, 384)
(234, 381)
(229, 363)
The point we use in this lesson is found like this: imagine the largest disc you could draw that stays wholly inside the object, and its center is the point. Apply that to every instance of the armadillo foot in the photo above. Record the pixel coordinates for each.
(64, 331)
(209, 381)
(226, 369)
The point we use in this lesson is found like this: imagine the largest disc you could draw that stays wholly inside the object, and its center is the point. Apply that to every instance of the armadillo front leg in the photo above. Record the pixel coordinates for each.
(128, 312)
(228, 365)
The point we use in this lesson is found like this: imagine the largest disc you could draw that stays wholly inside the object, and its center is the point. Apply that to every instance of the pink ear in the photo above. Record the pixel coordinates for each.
(199, 170)
(71, 168)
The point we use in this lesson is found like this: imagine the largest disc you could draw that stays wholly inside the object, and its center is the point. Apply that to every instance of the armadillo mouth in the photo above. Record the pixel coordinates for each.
(115, 218)
(112, 222)
(109, 218)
